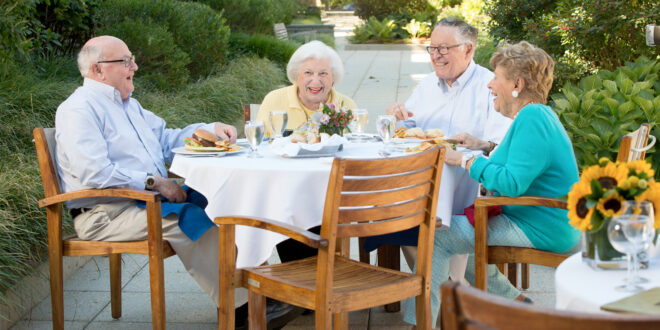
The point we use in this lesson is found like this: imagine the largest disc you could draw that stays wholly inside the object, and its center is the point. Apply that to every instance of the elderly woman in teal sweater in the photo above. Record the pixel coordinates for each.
(535, 158)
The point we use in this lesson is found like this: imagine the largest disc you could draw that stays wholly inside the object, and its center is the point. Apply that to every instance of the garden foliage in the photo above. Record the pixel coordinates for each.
(602, 107)
(276, 50)
(256, 16)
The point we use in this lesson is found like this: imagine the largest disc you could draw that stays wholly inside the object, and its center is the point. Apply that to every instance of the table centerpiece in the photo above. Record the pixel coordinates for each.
(598, 196)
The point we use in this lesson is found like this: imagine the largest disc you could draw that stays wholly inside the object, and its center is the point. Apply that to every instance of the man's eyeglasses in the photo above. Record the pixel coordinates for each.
(442, 50)
(127, 61)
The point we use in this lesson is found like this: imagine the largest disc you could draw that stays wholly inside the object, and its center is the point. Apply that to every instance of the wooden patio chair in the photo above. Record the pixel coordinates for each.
(463, 307)
(633, 146)
(154, 246)
(250, 112)
(364, 198)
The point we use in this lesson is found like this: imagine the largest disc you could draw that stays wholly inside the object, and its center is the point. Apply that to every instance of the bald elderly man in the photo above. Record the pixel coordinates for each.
(106, 139)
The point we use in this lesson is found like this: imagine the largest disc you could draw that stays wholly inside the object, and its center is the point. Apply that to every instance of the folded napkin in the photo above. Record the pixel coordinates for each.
(645, 302)
(328, 144)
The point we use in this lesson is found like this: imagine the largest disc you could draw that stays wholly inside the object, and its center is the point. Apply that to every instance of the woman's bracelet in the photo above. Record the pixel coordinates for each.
(491, 147)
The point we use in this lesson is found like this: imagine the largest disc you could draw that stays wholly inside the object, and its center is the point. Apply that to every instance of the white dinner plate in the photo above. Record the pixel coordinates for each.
(184, 151)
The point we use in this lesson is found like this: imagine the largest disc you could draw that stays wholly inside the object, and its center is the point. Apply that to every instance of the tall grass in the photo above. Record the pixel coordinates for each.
(29, 98)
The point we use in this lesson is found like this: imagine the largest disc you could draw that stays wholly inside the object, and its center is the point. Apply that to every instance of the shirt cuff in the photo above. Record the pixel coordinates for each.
(477, 167)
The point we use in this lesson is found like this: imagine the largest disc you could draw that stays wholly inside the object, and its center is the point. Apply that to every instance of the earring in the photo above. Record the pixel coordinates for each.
(514, 94)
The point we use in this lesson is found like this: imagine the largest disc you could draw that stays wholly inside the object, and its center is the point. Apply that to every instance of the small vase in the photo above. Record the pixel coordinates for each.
(597, 251)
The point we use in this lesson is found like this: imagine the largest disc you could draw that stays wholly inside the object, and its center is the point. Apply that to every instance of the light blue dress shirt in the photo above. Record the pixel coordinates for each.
(466, 106)
(104, 141)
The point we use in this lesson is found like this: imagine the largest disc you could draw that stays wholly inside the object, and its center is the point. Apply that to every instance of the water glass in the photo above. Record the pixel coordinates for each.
(359, 124)
(641, 209)
(254, 133)
(278, 120)
(386, 126)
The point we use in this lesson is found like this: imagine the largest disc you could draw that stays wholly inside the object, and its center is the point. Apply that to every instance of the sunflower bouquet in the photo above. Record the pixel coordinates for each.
(599, 196)
(603, 187)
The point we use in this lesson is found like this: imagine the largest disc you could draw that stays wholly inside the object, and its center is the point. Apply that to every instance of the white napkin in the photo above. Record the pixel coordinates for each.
(284, 147)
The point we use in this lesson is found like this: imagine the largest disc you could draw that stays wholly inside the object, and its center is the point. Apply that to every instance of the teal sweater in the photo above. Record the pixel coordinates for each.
(535, 158)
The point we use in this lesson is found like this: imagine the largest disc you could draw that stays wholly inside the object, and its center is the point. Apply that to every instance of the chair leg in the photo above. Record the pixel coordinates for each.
(115, 284)
(389, 257)
(340, 321)
(423, 310)
(322, 318)
(156, 282)
(256, 311)
(512, 273)
(56, 290)
(364, 256)
(524, 274)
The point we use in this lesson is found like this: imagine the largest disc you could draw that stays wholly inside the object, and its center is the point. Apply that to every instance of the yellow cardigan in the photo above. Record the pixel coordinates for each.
(286, 98)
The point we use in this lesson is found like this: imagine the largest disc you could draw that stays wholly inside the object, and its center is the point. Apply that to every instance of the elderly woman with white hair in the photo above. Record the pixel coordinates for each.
(314, 68)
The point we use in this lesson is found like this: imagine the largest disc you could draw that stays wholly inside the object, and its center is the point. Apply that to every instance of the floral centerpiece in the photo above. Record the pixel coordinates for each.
(331, 119)
(598, 197)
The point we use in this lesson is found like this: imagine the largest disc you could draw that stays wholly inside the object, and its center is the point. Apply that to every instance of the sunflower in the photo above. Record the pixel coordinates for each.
(652, 194)
(578, 212)
(610, 204)
(640, 166)
(609, 175)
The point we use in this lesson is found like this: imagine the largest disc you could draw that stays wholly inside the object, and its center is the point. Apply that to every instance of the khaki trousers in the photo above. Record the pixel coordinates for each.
(125, 221)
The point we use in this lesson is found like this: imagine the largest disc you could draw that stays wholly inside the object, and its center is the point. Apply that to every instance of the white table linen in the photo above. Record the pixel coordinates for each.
(580, 288)
(290, 191)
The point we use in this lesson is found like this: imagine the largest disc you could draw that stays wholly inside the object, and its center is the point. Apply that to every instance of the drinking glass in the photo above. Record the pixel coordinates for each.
(627, 234)
(278, 121)
(640, 209)
(254, 133)
(359, 124)
(386, 125)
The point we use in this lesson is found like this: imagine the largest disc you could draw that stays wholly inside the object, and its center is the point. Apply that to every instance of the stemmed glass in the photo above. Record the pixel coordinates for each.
(386, 125)
(641, 209)
(254, 133)
(278, 120)
(628, 233)
(359, 123)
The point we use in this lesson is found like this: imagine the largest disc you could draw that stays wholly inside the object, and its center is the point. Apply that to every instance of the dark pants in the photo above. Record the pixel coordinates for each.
(290, 249)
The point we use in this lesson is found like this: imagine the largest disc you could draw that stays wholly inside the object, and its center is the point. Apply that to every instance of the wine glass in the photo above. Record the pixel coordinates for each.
(627, 234)
(386, 125)
(359, 123)
(278, 120)
(254, 133)
(640, 209)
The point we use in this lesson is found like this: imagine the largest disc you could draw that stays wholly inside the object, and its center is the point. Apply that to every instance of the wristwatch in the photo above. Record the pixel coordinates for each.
(150, 182)
(466, 158)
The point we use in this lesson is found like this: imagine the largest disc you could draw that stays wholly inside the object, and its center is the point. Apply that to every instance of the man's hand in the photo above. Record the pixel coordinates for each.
(170, 190)
(468, 141)
(453, 157)
(226, 132)
(399, 111)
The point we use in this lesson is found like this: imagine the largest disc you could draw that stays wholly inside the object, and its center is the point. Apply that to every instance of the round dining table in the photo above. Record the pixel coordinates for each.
(289, 190)
(581, 288)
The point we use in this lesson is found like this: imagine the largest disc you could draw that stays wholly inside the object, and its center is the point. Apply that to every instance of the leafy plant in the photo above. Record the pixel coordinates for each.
(276, 50)
(262, 14)
(373, 29)
(604, 107)
(418, 29)
(380, 9)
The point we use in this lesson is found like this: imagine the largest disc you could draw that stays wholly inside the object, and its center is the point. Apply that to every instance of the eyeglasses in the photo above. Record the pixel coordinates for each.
(127, 61)
(442, 50)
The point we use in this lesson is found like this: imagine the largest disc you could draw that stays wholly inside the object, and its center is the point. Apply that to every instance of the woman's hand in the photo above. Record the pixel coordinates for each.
(453, 157)
(468, 141)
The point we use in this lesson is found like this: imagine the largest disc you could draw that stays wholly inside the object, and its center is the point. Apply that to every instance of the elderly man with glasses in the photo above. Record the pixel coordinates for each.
(106, 139)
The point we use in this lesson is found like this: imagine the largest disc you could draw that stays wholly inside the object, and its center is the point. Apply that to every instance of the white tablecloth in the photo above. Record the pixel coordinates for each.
(583, 289)
(288, 190)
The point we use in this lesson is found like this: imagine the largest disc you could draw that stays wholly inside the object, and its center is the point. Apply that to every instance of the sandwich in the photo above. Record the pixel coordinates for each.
(203, 140)
(433, 133)
(414, 133)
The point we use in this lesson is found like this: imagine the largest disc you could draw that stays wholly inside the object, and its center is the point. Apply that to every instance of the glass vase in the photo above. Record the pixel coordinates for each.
(597, 251)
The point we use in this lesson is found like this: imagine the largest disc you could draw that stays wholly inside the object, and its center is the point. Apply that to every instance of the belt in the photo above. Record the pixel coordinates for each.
(76, 212)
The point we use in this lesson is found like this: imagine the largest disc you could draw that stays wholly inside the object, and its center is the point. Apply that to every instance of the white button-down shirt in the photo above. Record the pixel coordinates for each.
(104, 141)
(466, 106)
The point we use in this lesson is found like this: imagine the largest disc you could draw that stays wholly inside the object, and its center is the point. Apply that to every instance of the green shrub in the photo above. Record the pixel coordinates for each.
(380, 9)
(418, 29)
(276, 50)
(256, 16)
(605, 106)
(196, 29)
(14, 30)
(374, 30)
(63, 25)
(161, 62)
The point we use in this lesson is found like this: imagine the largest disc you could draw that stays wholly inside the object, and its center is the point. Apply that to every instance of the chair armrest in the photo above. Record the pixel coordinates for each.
(521, 200)
(303, 236)
(142, 195)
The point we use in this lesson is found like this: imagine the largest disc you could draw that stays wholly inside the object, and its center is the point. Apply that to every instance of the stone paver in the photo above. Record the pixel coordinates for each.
(375, 77)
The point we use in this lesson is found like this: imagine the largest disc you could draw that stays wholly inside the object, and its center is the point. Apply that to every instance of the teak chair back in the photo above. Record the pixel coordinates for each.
(633, 147)
(364, 198)
(250, 112)
(154, 246)
(464, 307)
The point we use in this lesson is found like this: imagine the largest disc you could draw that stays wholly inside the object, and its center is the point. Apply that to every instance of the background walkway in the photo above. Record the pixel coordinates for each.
(376, 76)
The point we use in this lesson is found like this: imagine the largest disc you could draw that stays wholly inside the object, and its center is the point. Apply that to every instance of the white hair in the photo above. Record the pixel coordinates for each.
(317, 50)
(88, 54)
(465, 33)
